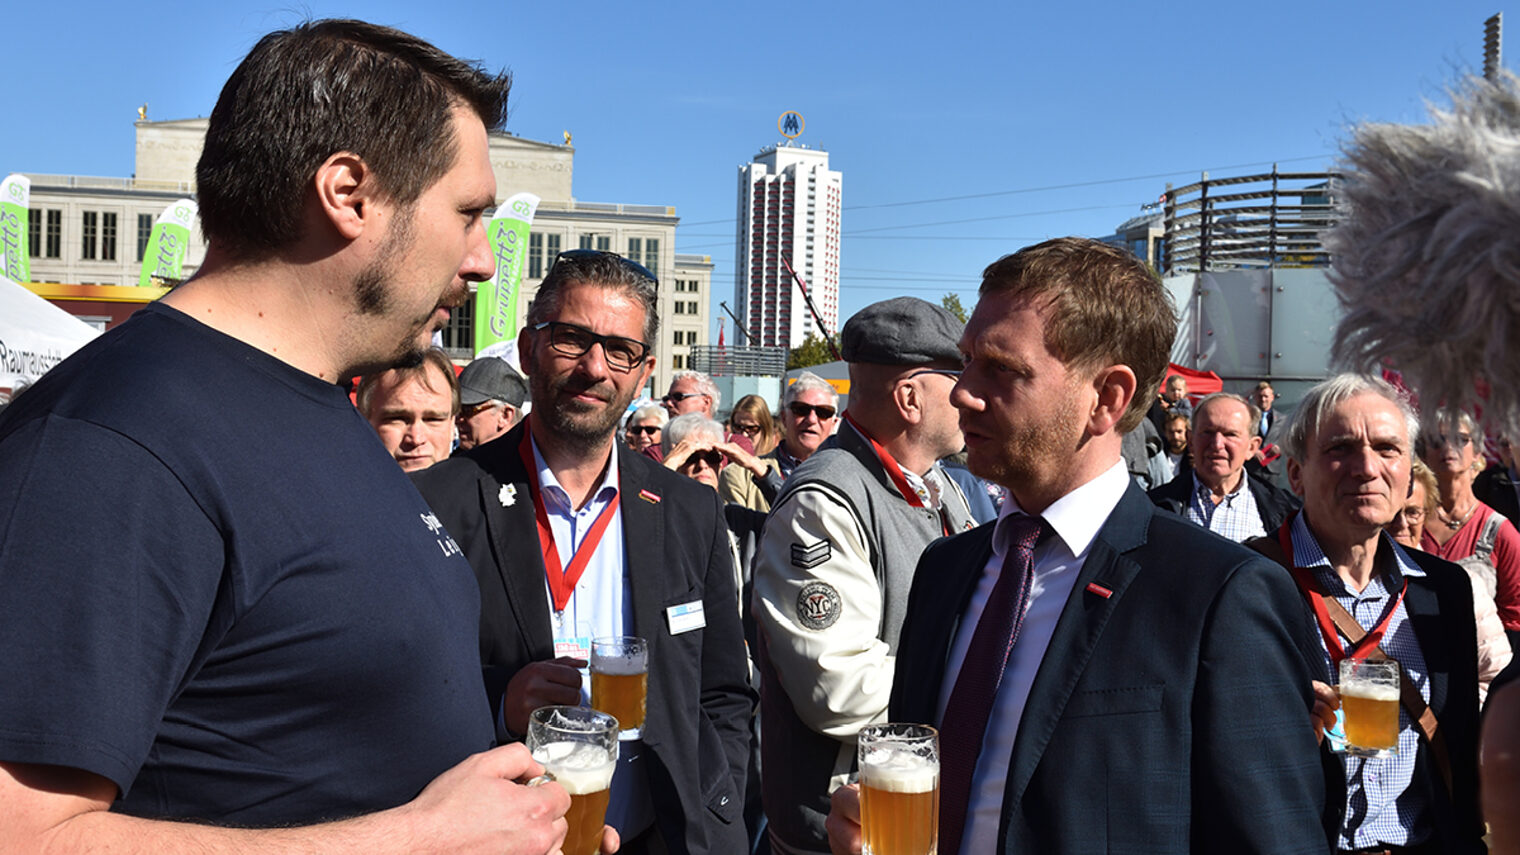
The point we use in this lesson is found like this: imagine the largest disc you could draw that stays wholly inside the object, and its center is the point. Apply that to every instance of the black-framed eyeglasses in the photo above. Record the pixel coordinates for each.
(952, 373)
(633, 266)
(801, 410)
(571, 340)
(649, 429)
(678, 397)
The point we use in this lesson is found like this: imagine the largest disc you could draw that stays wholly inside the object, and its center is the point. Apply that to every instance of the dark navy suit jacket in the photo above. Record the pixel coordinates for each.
(1171, 716)
(677, 551)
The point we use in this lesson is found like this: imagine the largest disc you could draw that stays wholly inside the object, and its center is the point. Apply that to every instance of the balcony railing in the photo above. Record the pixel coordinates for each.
(739, 361)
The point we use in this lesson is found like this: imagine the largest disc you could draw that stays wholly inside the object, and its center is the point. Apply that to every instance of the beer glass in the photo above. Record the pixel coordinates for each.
(1370, 703)
(899, 789)
(579, 747)
(620, 680)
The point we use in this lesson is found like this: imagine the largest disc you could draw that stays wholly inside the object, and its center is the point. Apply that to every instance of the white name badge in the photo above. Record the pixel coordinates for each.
(685, 617)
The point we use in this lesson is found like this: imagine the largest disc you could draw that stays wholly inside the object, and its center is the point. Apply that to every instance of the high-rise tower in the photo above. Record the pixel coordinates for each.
(789, 204)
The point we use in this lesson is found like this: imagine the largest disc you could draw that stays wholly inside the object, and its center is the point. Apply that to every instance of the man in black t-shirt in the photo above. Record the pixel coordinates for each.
(220, 599)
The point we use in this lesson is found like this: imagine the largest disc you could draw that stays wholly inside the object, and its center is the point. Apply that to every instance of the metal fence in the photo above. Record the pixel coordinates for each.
(739, 361)
(1270, 220)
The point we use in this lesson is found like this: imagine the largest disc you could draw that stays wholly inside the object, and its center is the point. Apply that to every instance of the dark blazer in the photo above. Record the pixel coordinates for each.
(1273, 504)
(1440, 608)
(1171, 716)
(700, 703)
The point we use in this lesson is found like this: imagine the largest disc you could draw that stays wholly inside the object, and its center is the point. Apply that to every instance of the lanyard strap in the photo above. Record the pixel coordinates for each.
(889, 463)
(1363, 645)
(562, 580)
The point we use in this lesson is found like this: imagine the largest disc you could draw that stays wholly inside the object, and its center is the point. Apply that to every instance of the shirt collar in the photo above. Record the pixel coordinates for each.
(1075, 517)
(555, 497)
(1203, 490)
(1308, 553)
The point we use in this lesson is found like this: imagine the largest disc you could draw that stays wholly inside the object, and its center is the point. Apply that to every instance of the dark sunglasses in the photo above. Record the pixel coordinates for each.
(593, 254)
(747, 430)
(678, 397)
(801, 410)
(649, 429)
(624, 354)
(714, 459)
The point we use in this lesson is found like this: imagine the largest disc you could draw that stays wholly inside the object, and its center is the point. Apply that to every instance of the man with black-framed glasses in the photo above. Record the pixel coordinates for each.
(838, 553)
(574, 536)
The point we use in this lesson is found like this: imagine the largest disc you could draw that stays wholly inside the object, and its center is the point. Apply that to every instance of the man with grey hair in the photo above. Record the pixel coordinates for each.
(809, 407)
(1217, 492)
(692, 392)
(1350, 455)
(491, 395)
(838, 553)
(574, 536)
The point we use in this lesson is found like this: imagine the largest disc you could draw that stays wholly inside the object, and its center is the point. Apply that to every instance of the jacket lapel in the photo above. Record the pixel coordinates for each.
(644, 563)
(1423, 608)
(944, 607)
(508, 502)
(1076, 635)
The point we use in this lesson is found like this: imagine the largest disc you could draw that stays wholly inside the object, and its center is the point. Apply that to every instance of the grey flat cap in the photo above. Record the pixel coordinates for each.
(902, 331)
(490, 378)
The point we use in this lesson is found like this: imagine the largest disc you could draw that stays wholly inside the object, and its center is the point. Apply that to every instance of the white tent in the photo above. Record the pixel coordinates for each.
(35, 335)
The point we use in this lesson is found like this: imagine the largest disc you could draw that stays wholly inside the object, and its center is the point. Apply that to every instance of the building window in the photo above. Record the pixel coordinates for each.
(551, 250)
(54, 234)
(645, 251)
(535, 255)
(680, 307)
(34, 232)
(458, 335)
(91, 234)
(678, 362)
(144, 232)
(600, 243)
(691, 308)
(108, 236)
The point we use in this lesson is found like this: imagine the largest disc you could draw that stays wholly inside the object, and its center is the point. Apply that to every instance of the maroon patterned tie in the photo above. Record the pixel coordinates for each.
(976, 686)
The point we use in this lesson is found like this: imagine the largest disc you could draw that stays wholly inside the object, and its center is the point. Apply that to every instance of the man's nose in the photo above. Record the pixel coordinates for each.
(478, 264)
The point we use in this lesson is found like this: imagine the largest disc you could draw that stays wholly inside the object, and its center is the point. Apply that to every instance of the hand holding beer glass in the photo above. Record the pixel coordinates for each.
(579, 747)
(620, 680)
(899, 789)
(1370, 702)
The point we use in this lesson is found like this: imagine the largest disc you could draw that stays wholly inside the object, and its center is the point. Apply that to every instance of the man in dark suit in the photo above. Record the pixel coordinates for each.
(1217, 492)
(1105, 677)
(1350, 456)
(620, 546)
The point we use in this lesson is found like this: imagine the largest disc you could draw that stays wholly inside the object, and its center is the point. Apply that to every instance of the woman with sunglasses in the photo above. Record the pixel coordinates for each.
(645, 427)
(1463, 528)
(753, 487)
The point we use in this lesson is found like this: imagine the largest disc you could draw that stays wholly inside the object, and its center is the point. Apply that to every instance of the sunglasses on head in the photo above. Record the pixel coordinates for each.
(649, 429)
(592, 254)
(801, 410)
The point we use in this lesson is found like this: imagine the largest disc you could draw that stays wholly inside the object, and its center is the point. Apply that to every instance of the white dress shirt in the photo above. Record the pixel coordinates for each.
(1074, 520)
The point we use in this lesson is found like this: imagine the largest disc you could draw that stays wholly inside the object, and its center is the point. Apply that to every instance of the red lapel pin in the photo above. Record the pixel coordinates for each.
(1095, 588)
(649, 497)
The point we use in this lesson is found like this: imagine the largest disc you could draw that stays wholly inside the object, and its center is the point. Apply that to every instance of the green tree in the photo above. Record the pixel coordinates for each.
(952, 304)
(812, 351)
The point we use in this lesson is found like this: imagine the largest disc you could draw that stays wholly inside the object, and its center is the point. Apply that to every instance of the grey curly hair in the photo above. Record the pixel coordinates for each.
(1427, 261)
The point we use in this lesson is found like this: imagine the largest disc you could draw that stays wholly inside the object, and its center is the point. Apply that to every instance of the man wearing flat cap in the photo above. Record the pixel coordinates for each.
(491, 395)
(838, 554)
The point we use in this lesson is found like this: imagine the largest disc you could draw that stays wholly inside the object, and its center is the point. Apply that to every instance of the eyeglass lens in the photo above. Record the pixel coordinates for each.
(801, 410)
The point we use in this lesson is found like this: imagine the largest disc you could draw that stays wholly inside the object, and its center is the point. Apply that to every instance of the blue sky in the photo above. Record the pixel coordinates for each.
(1059, 118)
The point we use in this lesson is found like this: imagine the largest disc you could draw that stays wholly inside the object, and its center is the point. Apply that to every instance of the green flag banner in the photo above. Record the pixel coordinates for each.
(15, 196)
(496, 299)
(164, 257)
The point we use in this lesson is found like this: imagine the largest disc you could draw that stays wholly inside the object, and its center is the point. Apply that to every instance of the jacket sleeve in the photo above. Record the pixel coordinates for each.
(1257, 777)
(818, 602)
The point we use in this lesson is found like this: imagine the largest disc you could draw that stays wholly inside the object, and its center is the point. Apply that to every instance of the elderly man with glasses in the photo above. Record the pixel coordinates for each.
(575, 536)
(838, 553)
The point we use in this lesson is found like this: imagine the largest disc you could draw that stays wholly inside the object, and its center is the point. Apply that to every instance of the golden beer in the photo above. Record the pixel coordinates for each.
(586, 774)
(1370, 705)
(620, 680)
(899, 789)
(579, 747)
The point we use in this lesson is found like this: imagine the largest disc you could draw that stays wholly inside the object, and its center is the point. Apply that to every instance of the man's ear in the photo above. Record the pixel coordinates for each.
(1115, 387)
(909, 400)
(345, 193)
(1295, 477)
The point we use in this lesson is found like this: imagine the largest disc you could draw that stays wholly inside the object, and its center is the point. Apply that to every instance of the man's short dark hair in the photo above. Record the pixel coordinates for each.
(606, 269)
(304, 94)
(1105, 308)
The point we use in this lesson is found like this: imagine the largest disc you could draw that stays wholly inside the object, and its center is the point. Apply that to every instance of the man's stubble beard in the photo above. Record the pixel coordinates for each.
(374, 288)
(586, 430)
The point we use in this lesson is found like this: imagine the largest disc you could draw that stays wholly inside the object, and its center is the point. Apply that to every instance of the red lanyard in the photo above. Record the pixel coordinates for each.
(562, 580)
(1305, 580)
(894, 471)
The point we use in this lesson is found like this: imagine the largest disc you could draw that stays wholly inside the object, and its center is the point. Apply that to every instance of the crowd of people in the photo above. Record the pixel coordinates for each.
(1126, 609)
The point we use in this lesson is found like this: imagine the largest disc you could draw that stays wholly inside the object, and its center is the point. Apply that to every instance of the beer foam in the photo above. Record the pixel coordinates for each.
(579, 767)
(1369, 690)
(899, 772)
(621, 665)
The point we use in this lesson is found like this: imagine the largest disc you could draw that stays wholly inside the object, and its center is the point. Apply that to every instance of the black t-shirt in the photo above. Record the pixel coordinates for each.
(220, 592)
